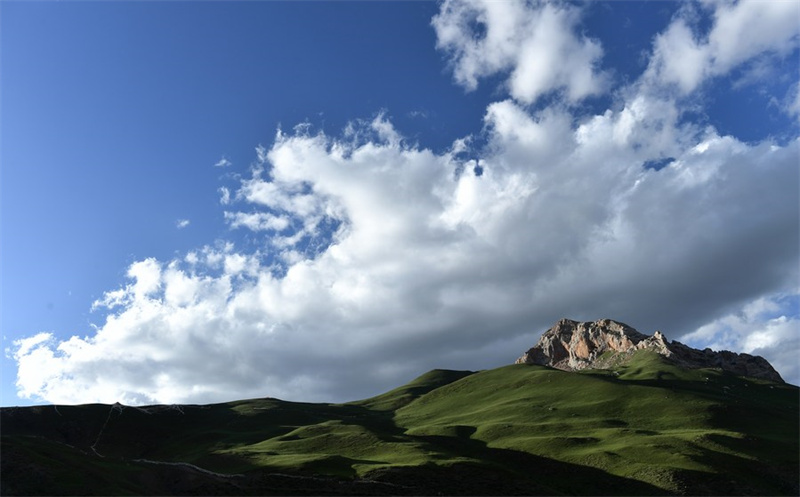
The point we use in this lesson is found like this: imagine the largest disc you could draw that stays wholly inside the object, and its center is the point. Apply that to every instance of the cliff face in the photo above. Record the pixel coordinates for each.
(572, 345)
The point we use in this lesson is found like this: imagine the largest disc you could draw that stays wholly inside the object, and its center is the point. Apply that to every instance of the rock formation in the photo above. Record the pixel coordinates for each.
(571, 345)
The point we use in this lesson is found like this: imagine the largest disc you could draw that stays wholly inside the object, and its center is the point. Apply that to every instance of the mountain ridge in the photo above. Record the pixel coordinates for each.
(572, 345)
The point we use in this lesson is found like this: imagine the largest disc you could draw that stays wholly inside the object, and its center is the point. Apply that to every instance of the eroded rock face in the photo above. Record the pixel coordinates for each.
(572, 345)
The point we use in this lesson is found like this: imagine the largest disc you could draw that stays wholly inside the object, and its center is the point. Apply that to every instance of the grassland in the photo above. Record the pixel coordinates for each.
(645, 428)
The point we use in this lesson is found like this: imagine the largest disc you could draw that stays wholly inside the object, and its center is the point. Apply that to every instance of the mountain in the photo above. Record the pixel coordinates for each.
(646, 425)
(572, 345)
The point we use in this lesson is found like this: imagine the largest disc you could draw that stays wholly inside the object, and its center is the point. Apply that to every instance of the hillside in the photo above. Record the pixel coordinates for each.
(647, 427)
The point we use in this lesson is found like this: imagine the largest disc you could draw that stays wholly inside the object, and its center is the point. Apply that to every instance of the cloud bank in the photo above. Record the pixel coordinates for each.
(380, 259)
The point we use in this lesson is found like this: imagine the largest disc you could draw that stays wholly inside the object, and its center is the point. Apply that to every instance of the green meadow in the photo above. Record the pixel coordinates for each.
(644, 428)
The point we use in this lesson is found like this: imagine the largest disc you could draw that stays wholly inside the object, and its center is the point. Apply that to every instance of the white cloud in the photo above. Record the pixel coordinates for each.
(147, 274)
(257, 221)
(182, 223)
(766, 326)
(224, 195)
(741, 31)
(434, 266)
(25, 346)
(37, 363)
(381, 259)
(223, 162)
(537, 42)
(747, 28)
(757, 72)
(680, 58)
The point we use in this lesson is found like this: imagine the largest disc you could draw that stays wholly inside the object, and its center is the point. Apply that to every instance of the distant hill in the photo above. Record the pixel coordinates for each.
(647, 425)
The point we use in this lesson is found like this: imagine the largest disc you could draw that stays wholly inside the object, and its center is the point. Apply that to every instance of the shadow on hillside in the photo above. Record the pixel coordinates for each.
(745, 476)
(51, 447)
(489, 471)
(512, 472)
(478, 470)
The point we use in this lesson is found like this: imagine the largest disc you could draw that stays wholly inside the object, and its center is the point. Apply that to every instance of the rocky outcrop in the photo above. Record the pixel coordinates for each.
(571, 345)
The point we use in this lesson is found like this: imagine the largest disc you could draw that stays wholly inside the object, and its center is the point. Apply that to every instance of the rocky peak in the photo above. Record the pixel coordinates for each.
(572, 345)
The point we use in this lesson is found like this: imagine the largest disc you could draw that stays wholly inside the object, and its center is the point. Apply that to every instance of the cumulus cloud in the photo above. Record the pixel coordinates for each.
(382, 259)
(182, 223)
(741, 30)
(536, 42)
(429, 257)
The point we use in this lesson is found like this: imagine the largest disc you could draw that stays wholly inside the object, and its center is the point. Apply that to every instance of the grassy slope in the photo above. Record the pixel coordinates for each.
(647, 428)
(673, 428)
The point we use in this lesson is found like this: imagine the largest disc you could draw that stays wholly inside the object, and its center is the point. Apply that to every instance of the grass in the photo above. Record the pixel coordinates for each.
(645, 428)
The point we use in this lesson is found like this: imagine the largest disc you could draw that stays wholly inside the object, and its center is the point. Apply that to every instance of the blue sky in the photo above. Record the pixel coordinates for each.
(204, 200)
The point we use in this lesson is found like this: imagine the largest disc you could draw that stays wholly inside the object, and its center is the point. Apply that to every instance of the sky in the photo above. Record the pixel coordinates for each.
(319, 201)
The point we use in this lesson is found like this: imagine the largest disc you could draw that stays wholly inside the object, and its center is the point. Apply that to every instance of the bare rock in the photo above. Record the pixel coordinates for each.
(572, 345)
